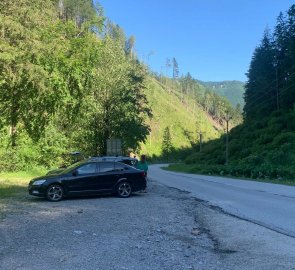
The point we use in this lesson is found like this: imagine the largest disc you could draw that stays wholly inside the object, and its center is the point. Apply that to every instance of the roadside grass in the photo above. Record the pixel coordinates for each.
(13, 188)
(217, 171)
(12, 184)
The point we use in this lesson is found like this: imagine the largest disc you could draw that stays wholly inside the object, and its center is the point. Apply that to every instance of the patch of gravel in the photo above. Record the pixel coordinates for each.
(162, 229)
(154, 230)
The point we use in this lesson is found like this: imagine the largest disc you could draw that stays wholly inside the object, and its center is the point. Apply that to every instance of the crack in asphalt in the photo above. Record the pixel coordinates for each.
(222, 211)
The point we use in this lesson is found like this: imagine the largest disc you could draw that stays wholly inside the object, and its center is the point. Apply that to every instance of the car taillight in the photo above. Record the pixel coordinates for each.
(143, 174)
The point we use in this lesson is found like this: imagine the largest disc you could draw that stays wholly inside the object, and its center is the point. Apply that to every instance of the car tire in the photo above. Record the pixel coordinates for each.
(124, 189)
(55, 193)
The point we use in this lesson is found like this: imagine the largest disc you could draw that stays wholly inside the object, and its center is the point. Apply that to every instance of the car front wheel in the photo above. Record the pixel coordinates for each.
(55, 193)
(124, 189)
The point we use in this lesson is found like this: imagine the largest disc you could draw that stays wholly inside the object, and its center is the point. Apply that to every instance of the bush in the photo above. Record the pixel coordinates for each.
(286, 137)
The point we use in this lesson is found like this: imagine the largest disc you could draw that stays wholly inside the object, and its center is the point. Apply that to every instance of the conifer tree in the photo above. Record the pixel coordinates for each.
(260, 94)
(167, 143)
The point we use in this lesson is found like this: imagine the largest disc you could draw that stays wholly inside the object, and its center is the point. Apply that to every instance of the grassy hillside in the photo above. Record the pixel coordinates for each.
(181, 118)
(263, 148)
(232, 90)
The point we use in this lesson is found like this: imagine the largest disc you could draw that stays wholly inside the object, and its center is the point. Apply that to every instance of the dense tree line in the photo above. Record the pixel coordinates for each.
(69, 79)
(271, 76)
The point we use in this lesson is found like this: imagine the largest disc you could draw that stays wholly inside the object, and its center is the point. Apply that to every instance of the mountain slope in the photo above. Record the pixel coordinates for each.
(183, 120)
(232, 90)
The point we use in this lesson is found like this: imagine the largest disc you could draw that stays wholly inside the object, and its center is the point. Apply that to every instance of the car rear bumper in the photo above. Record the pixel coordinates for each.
(141, 185)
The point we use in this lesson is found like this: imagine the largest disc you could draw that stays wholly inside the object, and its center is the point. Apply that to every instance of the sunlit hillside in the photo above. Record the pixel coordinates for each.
(184, 120)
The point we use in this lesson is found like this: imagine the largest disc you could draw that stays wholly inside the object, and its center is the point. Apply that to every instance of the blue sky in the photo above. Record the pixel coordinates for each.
(212, 39)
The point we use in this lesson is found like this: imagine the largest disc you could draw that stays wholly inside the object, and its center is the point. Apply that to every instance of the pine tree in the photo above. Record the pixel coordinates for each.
(287, 91)
(260, 94)
(167, 143)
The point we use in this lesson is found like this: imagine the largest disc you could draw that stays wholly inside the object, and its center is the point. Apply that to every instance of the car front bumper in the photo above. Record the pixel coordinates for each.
(37, 190)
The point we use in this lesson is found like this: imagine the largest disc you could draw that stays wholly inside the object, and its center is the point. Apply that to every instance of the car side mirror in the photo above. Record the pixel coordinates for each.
(75, 173)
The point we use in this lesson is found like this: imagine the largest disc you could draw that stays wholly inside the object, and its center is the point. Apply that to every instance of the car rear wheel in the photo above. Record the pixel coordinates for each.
(55, 193)
(124, 189)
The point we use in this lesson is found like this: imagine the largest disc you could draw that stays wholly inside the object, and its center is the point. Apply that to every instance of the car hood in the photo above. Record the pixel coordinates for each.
(45, 177)
(55, 171)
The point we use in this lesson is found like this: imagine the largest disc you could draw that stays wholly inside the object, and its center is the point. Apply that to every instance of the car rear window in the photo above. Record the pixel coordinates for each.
(122, 167)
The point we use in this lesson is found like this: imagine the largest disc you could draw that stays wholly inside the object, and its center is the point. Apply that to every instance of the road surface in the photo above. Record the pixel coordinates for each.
(269, 205)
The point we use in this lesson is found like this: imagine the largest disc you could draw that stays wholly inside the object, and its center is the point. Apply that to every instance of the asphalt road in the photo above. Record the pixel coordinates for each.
(271, 206)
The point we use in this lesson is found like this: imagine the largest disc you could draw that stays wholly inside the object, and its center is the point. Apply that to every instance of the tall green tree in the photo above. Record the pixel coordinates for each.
(261, 91)
(271, 76)
(25, 81)
(167, 143)
(117, 106)
(288, 66)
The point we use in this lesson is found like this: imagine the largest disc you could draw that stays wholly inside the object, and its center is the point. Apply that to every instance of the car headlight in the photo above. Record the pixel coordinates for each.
(39, 182)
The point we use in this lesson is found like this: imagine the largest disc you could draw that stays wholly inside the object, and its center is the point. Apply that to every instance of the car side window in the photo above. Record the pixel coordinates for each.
(87, 169)
(106, 167)
(119, 167)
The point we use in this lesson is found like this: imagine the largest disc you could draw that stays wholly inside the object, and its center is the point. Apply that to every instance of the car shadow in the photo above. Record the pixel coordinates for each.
(86, 197)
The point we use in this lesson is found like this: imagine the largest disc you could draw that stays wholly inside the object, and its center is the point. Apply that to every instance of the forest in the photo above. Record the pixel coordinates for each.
(70, 79)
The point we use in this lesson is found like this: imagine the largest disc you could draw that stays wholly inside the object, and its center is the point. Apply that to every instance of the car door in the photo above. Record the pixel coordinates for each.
(84, 179)
(108, 175)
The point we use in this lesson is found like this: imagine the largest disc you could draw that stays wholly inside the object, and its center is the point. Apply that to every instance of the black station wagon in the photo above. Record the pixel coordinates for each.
(89, 178)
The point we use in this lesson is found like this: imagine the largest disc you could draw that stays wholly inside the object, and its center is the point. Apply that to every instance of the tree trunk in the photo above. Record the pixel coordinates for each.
(13, 130)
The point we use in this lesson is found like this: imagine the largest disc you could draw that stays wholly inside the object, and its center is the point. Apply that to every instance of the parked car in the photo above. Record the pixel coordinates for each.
(126, 160)
(89, 178)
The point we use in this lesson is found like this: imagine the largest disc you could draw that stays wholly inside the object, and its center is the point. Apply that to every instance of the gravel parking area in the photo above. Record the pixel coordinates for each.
(153, 230)
(161, 229)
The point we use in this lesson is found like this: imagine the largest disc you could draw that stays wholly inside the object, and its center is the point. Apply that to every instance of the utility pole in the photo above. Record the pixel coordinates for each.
(227, 119)
(201, 139)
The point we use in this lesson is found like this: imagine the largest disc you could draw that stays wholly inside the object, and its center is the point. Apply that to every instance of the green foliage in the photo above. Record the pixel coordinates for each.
(168, 110)
(70, 80)
(271, 76)
(66, 84)
(217, 106)
(167, 143)
(15, 184)
(256, 148)
(260, 95)
(232, 90)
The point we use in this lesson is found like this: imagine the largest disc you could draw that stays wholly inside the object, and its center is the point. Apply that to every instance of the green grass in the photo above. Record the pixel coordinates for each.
(13, 184)
(218, 171)
(168, 111)
(13, 189)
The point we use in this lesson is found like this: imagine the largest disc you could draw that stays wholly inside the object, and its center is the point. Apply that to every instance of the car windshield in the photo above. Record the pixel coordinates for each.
(71, 167)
